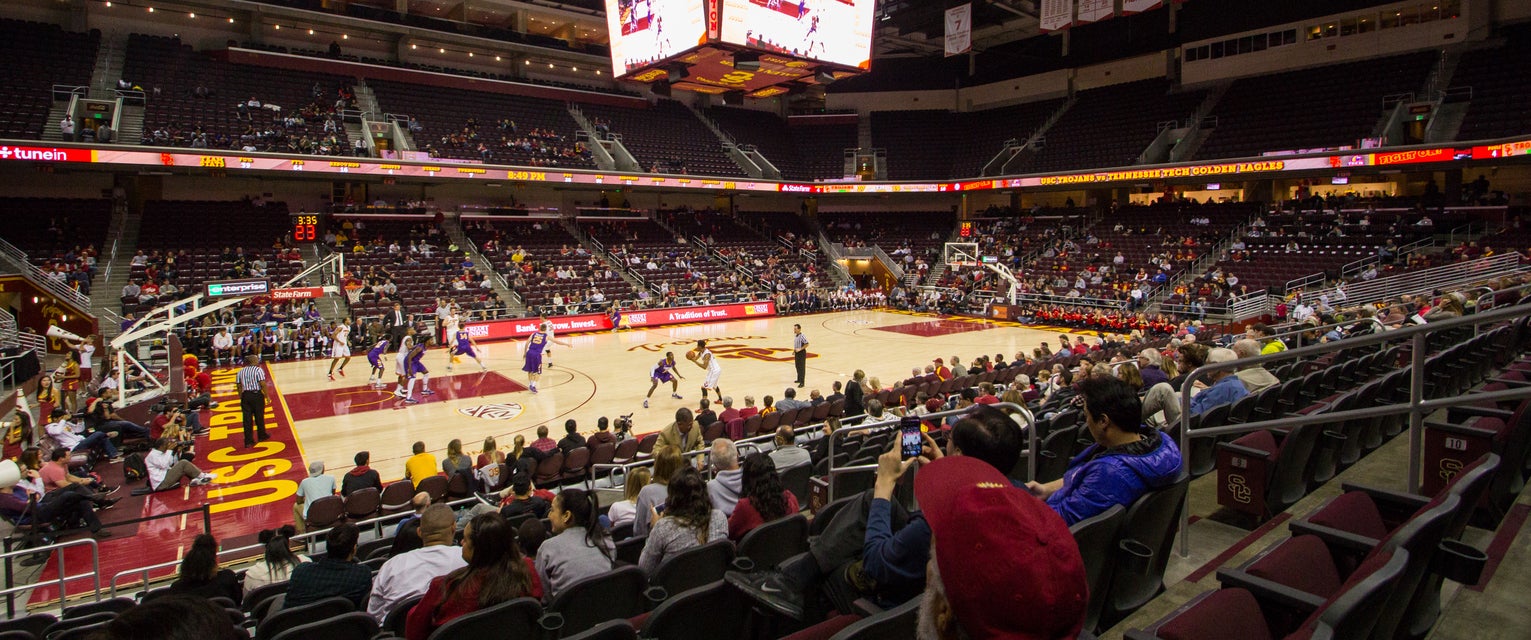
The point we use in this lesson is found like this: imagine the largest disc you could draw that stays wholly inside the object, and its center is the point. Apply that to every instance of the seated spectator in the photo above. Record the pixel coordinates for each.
(408, 575)
(787, 454)
(63, 508)
(602, 435)
(683, 433)
(200, 575)
(749, 409)
(336, 573)
(763, 499)
(1260, 331)
(279, 560)
(667, 462)
(861, 554)
(101, 417)
(167, 467)
(522, 500)
(689, 520)
(317, 485)
(67, 436)
(55, 475)
(455, 459)
(991, 539)
(724, 486)
(406, 537)
(789, 401)
(490, 570)
(419, 466)
(173, 617)
(1220, 390)
(1126, 461)
(543, 443)
(579, 547)
(1150, 367)
(705, 416)
(361, 476)
(1254, 377)
(623, 512)
(572, 439)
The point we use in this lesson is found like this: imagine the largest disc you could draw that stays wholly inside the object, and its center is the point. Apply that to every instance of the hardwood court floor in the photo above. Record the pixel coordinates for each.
(606, 374)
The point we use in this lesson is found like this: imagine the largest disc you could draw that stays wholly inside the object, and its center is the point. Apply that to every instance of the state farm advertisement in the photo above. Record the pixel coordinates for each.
(492, 330)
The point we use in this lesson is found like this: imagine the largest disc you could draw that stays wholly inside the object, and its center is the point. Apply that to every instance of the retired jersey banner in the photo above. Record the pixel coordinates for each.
(1056, 14)
(1139, 6)
(959, 30)
(1095, 10)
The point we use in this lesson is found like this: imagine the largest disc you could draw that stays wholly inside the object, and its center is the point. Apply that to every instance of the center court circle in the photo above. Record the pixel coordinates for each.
(504, 411)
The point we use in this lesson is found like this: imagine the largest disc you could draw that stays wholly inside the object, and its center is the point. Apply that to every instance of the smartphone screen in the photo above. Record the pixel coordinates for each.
(909, 436)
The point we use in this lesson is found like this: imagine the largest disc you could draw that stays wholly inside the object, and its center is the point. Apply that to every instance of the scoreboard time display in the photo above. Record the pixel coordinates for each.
(307, 228)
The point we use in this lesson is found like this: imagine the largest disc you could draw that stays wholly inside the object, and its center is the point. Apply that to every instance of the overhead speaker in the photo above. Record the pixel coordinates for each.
(733, 97)
(661, 88)
(824, 77)
(677, 72)
(747, 61)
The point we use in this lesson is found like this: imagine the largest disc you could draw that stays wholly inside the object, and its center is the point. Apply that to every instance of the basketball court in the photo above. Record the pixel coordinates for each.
(606, 374)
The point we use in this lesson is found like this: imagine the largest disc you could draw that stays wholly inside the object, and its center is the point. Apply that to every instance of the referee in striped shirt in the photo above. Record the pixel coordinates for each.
(252, 399)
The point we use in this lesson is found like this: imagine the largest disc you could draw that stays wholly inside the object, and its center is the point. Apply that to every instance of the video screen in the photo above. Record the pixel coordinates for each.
(835, 31)
(643, 32)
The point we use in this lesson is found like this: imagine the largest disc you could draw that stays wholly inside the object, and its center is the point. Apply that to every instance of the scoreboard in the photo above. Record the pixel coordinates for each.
(755, 47)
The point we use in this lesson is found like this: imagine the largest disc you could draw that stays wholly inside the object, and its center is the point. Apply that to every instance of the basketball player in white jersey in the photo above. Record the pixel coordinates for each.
(340, 347)
(704, 359)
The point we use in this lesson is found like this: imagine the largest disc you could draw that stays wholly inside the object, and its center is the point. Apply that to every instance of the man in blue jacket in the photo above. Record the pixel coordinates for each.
(1127, 460)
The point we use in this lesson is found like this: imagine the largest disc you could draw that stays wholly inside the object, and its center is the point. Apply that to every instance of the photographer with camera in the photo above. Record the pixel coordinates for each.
(167, 466)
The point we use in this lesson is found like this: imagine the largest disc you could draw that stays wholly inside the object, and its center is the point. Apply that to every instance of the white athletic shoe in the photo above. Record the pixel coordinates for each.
(645, 404)
(676, 396)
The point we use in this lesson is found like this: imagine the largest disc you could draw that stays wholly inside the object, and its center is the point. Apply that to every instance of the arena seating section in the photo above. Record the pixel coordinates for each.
(938, 145)
(665, 133)
(1498, 106)
(204, 230)
(46, 228)
(52, 56)
(1271, 264)
(167, 64)
(800, 151)
(1316, 108)
(543, 247)
(443, 112)
(650, 241)
(924, 233)
(420, 284)
(1152, 231)
(1111, 126)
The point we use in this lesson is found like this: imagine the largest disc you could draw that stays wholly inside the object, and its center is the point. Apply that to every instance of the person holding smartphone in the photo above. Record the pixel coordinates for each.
(887, 564)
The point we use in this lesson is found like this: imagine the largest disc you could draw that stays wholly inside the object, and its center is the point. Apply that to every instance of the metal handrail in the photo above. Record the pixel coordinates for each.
(63, 574)
(1417, 406)
(31, 272)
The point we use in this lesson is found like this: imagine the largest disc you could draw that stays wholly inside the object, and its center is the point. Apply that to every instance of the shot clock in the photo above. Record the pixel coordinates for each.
(307, 227)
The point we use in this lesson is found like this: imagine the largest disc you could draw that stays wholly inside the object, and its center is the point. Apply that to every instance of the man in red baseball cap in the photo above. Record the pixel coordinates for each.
(1003, 564)
(942, 373)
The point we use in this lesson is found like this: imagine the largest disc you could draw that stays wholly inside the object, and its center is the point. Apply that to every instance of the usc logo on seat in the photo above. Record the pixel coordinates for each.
(1238, 489)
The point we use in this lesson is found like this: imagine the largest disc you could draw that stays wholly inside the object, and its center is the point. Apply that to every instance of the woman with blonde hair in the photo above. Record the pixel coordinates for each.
(1128, 373)
(623, 511)
(667, 460)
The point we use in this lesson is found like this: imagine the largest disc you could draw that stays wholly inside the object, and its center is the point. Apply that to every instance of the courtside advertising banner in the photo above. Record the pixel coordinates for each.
(959, 30)
(491, 330)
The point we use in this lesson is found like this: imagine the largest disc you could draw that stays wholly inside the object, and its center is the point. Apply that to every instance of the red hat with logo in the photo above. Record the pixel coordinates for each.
(940, 361)
(1000, 550)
